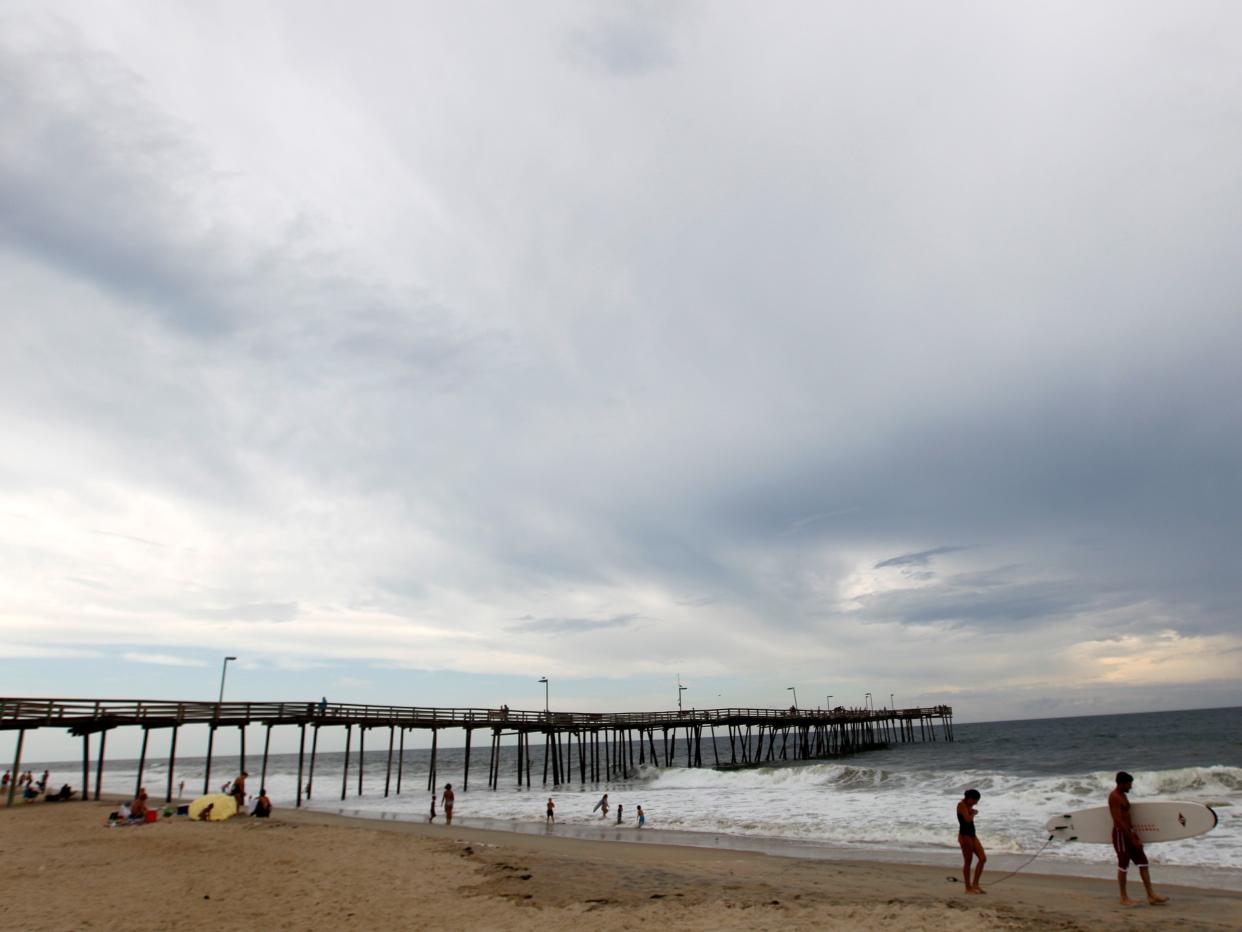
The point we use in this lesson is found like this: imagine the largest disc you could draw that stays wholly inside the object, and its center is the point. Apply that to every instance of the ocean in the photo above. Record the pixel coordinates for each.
(894, 804)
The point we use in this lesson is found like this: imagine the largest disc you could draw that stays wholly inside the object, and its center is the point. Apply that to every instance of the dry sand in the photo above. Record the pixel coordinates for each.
(65, 870)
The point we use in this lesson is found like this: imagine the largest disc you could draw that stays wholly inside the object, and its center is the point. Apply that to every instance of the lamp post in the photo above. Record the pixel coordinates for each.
(890, 701)
(680, 689)
(224, 669)
(828, 702)
(544, 681)
(867, 701)
(794, 690)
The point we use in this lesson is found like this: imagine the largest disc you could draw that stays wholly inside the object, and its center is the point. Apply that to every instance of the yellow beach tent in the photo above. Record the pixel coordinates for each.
(222, 807)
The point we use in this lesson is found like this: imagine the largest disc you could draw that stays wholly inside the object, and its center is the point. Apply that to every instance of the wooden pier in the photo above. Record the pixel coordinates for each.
(587, 747)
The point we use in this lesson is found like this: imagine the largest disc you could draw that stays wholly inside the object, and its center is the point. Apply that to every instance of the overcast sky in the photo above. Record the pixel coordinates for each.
(411, 352)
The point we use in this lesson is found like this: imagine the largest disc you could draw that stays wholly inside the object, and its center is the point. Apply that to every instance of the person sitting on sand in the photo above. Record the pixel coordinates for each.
(970, 844)
(1127, 844)
(139, 808)
(262, 805)
(205, 815)
(447, 802)
(65, 793)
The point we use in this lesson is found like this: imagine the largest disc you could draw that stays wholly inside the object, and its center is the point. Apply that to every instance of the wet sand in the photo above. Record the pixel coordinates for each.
(303, 870)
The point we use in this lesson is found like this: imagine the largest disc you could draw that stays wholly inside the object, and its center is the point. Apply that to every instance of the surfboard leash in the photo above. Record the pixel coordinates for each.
(992, 883)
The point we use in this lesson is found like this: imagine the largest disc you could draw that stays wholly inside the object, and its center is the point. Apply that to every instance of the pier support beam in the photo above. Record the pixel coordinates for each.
(172, 763)
(142, 762)
(103, 741)
(349, 734)
(17, 765)
(301, 756)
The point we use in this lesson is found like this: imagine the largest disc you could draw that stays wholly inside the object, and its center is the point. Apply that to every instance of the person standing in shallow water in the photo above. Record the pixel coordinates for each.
(551, 810)
(971, 846)
(446, 801)
(1127, 844)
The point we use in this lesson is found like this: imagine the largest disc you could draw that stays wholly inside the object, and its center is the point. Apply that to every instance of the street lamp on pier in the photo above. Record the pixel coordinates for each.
(680, 689)
(224, 669)
(794, 690)
(544, 681)
(867, 701)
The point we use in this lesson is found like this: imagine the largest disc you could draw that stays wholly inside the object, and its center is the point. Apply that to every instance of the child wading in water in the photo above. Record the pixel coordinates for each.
(972, 847)
(551, 810)
(619, 808)
(642, 818)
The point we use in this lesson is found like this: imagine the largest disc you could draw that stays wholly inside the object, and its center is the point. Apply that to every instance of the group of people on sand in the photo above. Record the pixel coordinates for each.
(31, 789)
(237, 790)
(1126, 842)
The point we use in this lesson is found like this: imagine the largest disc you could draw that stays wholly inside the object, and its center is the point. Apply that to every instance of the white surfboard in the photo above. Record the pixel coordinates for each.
(1154, 821)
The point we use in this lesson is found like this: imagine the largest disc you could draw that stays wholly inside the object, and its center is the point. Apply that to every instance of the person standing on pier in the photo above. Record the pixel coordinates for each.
(447, 802)
(971, 846)
(1127, 844)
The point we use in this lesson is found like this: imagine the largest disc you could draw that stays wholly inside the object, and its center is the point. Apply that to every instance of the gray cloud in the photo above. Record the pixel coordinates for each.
(922, 558)
(263, 611)
(571, 625)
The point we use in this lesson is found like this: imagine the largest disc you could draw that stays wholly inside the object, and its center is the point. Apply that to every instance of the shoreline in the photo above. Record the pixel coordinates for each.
(999, 863)
(311, 869)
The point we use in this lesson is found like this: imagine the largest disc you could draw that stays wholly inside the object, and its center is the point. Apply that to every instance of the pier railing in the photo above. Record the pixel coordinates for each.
(81, 714)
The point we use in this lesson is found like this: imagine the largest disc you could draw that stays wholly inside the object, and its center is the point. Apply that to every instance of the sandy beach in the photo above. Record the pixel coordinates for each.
(301, 870)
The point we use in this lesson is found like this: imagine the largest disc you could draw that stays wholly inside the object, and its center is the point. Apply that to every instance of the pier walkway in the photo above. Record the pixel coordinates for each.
(605, 741)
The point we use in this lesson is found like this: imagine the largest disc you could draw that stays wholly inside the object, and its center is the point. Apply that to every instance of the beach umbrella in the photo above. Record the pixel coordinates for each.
(222, 807)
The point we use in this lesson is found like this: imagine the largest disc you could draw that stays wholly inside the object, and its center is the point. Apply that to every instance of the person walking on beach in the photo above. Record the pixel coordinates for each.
(602, 805)
(551, 810)
(447, 802)
(1127, 844)
(970, 844)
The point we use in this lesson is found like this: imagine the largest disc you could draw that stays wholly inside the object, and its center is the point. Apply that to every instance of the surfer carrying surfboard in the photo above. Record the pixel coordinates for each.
(1127, 844)
(972, 847)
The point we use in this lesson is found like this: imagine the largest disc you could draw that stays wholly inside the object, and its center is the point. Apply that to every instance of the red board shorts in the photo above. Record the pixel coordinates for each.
(1127, 850)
